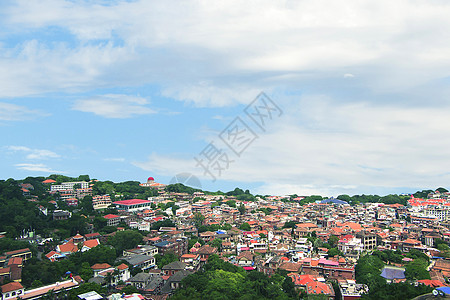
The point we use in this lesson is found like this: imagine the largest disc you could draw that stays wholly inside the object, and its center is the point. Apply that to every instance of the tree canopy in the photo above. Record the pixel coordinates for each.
(222, 280)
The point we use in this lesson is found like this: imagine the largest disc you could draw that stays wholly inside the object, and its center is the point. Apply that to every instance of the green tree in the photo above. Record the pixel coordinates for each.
(417, 269)
(36, 283)
(290, 224)
(333, 241)
(86, 205)
(245, 226)
(241, 208)
(162, 223)
(334, 252)
(86, 271)
(127, 239)
(231, 203)
(217, 243)
(84, 288)
(167, 258)
(129, 289)
(198, 219)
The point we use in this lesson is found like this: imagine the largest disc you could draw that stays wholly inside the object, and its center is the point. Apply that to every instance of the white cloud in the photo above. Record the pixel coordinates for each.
(34, 154)
(13, 112)
(234, 46)
(348, 75)
(207, 94)
(323, 147)
(114, 106)
(36, 168)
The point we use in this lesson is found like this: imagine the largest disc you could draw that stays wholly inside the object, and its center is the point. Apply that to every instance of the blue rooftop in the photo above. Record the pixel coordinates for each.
(161, 244)
(334, 201)
(393, 273)
(444, 289)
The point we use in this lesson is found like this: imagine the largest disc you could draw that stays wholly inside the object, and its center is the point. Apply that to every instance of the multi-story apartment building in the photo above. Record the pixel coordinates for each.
(101, 202)
(69, 186)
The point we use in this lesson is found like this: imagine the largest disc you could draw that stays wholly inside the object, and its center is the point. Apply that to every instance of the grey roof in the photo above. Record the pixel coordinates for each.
(161, 244)
(141, 277)
(137, 259)
(178, 276)
(393, 273)
(175, 265)
(97, 280)
(334, 201)
(154, 283)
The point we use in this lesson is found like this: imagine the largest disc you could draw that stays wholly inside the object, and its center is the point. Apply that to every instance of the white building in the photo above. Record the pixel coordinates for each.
(69, 186)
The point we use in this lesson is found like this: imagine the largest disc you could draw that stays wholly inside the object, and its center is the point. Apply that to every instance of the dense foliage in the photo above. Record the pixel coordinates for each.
(222, 280)
(16, 213)
(388, 199)
(368, 270)
(49, 272)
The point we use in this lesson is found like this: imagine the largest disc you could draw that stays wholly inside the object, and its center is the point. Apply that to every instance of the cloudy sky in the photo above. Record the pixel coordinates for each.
(357, 93)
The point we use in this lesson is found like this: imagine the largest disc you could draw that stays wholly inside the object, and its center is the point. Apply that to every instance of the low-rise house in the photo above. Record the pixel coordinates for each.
(245, 259)
(177, 246)
(55, 256)
(140, 280)
(57, 287)
(143, 262)
(67, 248)
(12, 290)
(89, 244)
(112, 220)
(100, 268)
(145, 250)
(350, 290)
(205, 251)
(119, 273)
(192, 261)
(25, 254)
(173, 267)
(320, 288)
(174, 282)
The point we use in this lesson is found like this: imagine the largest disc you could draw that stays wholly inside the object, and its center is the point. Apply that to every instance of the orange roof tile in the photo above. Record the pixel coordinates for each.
(12, 286)
(101, 266)
(122, 267)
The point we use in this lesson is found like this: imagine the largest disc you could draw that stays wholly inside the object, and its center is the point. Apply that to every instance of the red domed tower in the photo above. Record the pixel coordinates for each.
(150, 180)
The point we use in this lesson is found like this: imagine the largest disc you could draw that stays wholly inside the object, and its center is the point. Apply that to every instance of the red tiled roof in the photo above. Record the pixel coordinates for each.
(122, 267)
(91, 243)
(100, 266)
(111, 216)
(15, 261)
(68, 247)
(50, 254)
(432, 283)
(17, 251)
(306, 225)
(12, 286)
(89, 235)
(132, 202)
(317, 287)
(49, 181)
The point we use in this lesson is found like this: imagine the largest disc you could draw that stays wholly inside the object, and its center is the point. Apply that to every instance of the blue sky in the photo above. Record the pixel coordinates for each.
(123, 90)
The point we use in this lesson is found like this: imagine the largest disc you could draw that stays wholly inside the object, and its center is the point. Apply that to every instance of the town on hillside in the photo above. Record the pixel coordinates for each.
(81, 238)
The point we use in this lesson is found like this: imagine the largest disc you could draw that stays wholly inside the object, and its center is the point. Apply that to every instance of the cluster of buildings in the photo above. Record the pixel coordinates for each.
(317, 244)
(70, 192)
